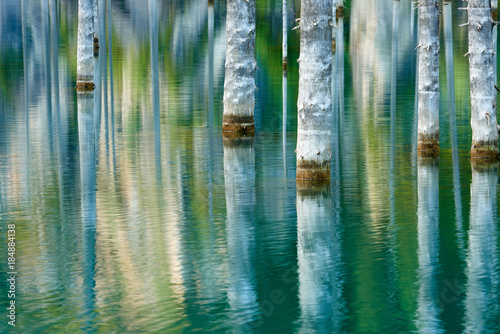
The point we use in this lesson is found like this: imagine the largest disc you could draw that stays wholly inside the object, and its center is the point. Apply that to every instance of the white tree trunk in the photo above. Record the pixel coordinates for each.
(428, 76)
(96, 26)
(285, 37)
(239, 83)
(482, 91)
(85, 52)
(314, 102)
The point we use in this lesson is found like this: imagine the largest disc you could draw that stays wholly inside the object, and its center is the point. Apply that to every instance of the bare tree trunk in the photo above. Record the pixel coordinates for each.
(85, 53)
(96, 26)
(482, 95)
(239, 84)
(285, 38)
(314, 103)
(428, 76)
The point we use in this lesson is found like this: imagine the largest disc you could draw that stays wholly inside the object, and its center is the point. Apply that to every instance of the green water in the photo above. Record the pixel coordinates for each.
(132, 214)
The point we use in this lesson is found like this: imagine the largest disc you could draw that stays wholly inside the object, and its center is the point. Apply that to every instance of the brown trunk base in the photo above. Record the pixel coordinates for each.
(312, 170)
(313, 187)
(237, 138)
(285, 64)
(428, 143)
(484, 151)
(83, 86)
(240, 124)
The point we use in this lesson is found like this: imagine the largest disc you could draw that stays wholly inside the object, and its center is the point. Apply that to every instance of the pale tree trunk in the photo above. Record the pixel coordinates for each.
(427, 314)
(314, 102)
(285, 38)
(481, 298)
(428, 76)
(96, 26)
(239, 83)
(85, 52)
(482, 89)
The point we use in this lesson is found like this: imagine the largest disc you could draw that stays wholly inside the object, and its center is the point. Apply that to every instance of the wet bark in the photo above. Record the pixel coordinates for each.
(314, 102)
(239, 83)
(96, 26)
(85, 52)
(428, 76)
(481, 71)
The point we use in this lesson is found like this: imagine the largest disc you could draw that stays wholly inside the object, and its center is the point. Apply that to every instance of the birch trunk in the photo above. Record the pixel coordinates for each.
(314, 102)
(239, 84)
(482, 91)
(428, 76)
(85, 52)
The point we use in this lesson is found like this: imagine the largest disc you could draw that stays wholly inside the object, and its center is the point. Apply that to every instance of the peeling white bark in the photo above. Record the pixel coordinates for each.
(428, 76)
(85, 52)
(481, 71)
(314, 102)
(239, 83)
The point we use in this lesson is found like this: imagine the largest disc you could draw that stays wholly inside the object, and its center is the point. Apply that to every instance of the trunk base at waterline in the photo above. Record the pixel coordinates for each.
(484, 150)
(428, 143)
(240, 124)
(313, 170)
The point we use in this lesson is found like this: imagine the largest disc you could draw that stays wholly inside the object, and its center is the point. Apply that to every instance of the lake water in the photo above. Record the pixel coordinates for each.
(133, 214)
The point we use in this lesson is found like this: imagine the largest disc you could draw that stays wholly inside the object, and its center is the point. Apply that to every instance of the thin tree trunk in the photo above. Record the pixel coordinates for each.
(239, 84)
(483, 109)
(428, 76)
(285, 38)
(314, 102)
(85, 52)
(96, 26)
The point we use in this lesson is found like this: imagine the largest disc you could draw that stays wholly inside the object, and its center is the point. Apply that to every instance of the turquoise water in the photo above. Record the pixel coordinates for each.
(133, 214)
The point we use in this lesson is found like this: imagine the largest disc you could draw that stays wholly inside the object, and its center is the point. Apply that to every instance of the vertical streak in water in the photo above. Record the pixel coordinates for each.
(335, 111)
(427, 317)
(450, 81)
(210, 64)
(86, 141)
(414, 131)
(104, 71)
(111, 97)
(239, 180)
(481, 298)
(319, 256)
(340, 58)
(26, 97)
(155, 78)
(48, 79)
(284, 82)
(394, 74)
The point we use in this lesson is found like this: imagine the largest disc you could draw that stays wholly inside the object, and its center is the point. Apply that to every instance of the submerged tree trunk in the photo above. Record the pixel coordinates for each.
(428, 76)
(96, 26)
(314, 103)
(239, 84)
(85, 53)
(482, 95)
